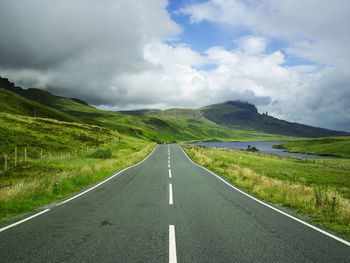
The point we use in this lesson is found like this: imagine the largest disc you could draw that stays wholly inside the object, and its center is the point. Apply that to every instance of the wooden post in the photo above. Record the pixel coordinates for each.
(15, 156)
(61, 156)
(25, 155)
(41, 155)
(69, 155)
(82, 152)
(5, 161)
(50, 156)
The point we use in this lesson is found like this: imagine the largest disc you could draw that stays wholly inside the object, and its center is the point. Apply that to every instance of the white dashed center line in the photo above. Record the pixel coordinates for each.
(172, 245)
(171, 194)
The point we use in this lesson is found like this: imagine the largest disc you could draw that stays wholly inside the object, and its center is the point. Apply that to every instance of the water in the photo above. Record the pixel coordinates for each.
(262, 146)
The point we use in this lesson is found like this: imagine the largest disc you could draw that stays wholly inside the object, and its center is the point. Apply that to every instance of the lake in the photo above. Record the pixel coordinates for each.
(262, 146)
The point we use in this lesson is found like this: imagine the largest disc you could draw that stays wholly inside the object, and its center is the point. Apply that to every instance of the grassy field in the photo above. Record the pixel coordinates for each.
(62, 158)
(316, 189)
(28, 186)
(48, 135)
(331, 146)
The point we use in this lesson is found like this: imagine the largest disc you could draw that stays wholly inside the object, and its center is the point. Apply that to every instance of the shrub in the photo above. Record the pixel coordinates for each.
(101, 153)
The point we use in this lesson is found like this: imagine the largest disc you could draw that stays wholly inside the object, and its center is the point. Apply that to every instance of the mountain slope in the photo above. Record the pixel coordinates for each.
(162, 126)
(231, 120)
(241, 115)
(15, 104)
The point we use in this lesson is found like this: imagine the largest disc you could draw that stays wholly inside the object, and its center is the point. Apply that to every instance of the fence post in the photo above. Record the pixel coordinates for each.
(41, 155)
(82, 152)
(69, 155)
(61, 157)
(15, 156)
(5, 161)
(50, 156)
(25, 155)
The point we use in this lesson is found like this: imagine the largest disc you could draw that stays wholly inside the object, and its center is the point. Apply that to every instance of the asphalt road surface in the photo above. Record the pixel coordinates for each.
(165, 209)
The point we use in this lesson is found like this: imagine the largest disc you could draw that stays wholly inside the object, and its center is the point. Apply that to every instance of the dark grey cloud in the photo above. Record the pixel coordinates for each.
(79, 47)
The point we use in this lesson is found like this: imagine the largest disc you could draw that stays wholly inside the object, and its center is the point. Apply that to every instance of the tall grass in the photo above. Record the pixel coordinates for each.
(26, 187)
(322, 203)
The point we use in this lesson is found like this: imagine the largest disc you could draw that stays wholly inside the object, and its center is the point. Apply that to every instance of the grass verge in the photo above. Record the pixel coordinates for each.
(26, 187)
(329, 146)
(315, 189)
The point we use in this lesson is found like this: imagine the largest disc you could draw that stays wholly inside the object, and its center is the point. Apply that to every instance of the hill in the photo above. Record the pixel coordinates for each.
(232, 120)
(161, 126)
(13, 103)
(48, 134)
(242, 115)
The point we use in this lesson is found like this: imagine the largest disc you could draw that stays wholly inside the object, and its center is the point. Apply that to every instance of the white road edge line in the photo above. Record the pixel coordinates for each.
(23, 220)
(169, 173)
(88, 190)
(171, 194)
(269, 206)
(172, 245)
(106, 180)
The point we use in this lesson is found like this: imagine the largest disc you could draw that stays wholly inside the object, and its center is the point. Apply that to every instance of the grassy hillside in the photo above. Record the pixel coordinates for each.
(233, 120)
(332, 146)
(190, 124)
(48, 134)
(240, 115)
(161, 126)
(36, 183)
(16, 104)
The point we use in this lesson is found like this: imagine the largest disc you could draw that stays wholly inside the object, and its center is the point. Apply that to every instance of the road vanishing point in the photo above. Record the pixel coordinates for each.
(165, 209)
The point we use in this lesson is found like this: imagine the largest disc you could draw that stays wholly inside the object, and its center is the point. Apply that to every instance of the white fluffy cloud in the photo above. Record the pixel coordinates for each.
(316, 31)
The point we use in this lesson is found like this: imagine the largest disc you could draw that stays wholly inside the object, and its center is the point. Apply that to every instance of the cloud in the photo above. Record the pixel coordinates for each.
(252, 45)
(77, 48)
(223, 11)
(313, 30)
(116, 55)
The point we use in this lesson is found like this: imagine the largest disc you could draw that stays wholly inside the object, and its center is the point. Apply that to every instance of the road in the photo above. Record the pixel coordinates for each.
(165, 209)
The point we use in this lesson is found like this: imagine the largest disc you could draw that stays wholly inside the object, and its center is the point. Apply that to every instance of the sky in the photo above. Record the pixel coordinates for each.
(289, 58)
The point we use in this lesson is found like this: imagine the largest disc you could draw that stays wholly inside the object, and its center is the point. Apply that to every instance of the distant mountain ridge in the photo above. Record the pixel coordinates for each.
(243, 115)
(223, 120)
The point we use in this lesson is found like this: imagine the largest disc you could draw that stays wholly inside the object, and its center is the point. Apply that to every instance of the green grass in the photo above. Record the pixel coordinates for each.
(36, 183)
(330, 146)
(16, 104)
(48, 135)
(307, 186)
(66, 166)
(161, 126)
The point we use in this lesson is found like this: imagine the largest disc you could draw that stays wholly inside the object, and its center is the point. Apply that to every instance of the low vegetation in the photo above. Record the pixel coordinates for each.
(329, 146)
(47, 135)
(28, 186)
(61, 158)
(317, 189)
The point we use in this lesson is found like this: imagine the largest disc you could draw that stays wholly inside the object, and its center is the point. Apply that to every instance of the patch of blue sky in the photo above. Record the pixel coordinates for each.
(206, 67)
(205, 35)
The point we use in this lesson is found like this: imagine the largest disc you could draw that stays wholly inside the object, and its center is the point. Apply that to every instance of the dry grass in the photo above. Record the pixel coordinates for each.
(38, 183)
